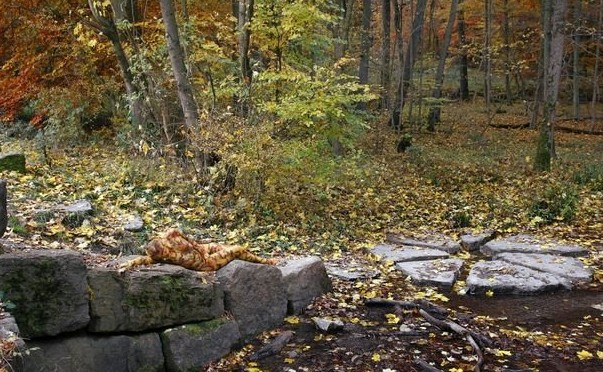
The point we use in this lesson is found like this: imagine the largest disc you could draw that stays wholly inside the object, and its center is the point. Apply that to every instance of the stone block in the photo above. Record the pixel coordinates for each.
(192, 346)
(141, 353)
(305, 279)
(153, 297)
(12, 162)
(254, 294)
(48, 288)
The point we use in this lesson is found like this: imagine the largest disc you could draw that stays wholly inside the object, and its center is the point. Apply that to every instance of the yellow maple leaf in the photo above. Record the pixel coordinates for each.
(600, 354)
(292, 320)
(489, 293)
(289, 360)
(584, 355)
(392, 319)
(376, 357)
(502, 353)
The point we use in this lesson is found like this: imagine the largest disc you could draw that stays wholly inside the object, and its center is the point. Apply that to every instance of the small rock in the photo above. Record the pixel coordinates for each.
(292, 354)
(473, 242)
(598, 306)
(12, 162)
(441, 272)
(406, 254)
(327, 325)
(135, 224)
(406, 329)
(77, 213)
(80, 206)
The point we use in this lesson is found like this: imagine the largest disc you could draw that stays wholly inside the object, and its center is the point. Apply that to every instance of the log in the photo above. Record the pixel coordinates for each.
(3, 208)
(430, 307)
(273, 347)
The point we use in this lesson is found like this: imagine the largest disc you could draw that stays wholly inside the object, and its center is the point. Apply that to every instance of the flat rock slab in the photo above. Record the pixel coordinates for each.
(406, 253)
(94, 354)
(567, 267)
(441, 272)
(134, 224)
(502, 277)
(80, 206)
(305, 279)
(473, 242)
(530, 244)
(153, 297)
(192, 346)
(350, 273)
(434, 241)
(48, 288)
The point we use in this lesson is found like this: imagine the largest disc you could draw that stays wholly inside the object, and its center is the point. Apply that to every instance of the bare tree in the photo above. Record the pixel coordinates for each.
(507, 49)
(365, 46)
(183, 84)
(398, 24)
(487, 55)
(576, 60)
(554, 19)
(342, 30)
(414, 44)
(385, 52)
(434, 113)
(463, 60)
(595, 93)
(245, 14)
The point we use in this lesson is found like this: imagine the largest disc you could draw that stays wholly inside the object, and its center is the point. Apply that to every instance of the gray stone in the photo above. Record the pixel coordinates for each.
(506, 278)
(48, 288)
(254, 294)
(76, 213)
(567, 267)
(441, 272)
(134, 224)
(327, 325)
(351, 274)
(434, 241)
(9, 330)
(304, 279)
(473, 242)
(153, 297)
(192, 346)
(529, 244)
(406, 253)
(12, 162)
(94, 354)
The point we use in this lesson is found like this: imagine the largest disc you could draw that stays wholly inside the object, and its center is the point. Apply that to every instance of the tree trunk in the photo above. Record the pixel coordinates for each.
(576, 60)
(396, 119)
(385, 52)
(463, 60)
(413, 46)
(245, 14)
(554, 22)
(3, 208)
(507, 48)
(595, 93)
(434, 112)
(487, 56)
(185, 89)
(343, 29)
(365, 47)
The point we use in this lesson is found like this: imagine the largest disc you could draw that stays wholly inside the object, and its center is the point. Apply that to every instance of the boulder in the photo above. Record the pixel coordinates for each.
(76, 213)
(12, 162)
(48, 288)
(434, 241)
(567, 267)
(9, 331)
(406, 253)
(506, 278)
(254, 294)
(304, 279)
(473, 242)
(94, 354)
(153, 297)
(529, 244)
(192, 346)
(441, 272)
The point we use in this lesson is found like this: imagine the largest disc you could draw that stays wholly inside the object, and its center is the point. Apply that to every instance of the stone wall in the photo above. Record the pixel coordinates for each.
(158, 318)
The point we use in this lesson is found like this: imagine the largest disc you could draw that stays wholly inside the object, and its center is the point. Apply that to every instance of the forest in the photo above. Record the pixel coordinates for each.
(324, 128)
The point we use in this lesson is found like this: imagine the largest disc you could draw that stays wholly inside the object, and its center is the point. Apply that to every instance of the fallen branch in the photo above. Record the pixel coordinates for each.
(273, 347)
(426, 366)
(558, 128)
(470, 336)
(430, 307)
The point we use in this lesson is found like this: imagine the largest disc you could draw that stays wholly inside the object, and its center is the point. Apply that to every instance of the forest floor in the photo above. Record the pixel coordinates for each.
(465, 177)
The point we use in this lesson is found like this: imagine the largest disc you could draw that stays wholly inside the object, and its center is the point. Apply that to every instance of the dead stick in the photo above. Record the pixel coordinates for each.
(273, 347)
(459, 329)
(418, 304)
(426, 366)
